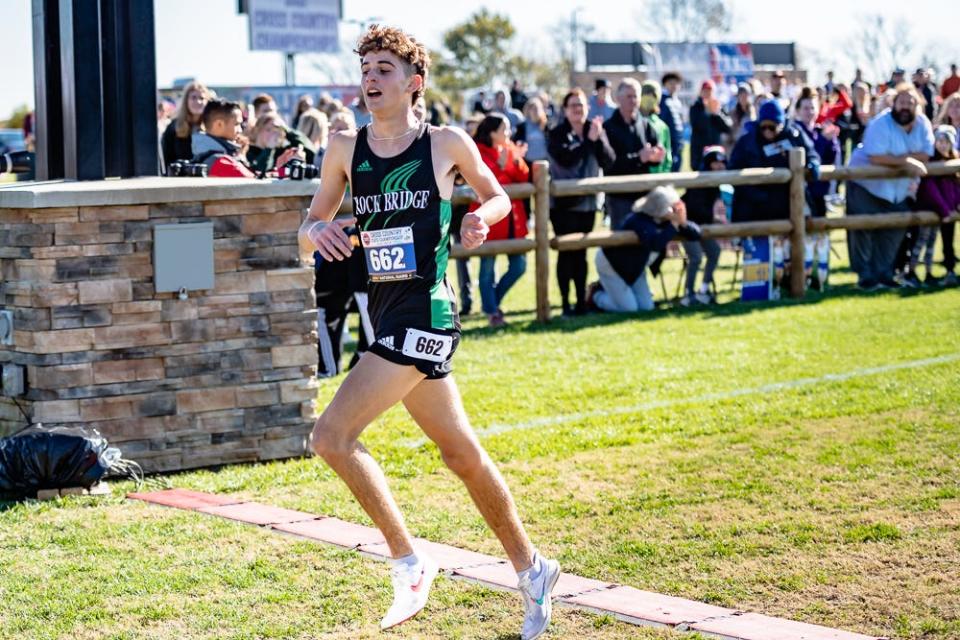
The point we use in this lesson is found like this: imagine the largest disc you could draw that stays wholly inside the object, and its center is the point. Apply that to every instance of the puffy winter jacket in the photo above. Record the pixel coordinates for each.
(769, 201)
(515, 170)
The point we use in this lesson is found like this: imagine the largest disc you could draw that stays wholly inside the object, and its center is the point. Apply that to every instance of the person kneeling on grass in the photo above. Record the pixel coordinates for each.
(656, 219)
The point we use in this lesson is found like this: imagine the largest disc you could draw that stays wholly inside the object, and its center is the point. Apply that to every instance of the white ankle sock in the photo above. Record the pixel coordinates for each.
(411, 560)
(534, 569)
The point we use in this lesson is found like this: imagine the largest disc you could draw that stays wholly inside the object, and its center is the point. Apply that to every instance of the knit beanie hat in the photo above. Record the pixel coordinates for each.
(946, 131)
(713, 153)
(771, 110)
(658, 203)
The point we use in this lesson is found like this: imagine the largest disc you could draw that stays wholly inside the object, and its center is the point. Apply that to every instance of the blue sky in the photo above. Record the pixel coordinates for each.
(206, 38)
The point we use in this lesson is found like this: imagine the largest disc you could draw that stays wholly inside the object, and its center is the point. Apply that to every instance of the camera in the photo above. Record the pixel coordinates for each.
(16, 162)
(186, 169)
(297, 169)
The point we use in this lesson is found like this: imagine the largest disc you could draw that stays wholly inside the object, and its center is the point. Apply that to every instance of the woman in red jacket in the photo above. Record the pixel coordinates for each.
(505, 160)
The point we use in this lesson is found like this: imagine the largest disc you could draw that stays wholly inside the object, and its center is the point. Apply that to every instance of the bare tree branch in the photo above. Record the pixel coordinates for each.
(691, 20)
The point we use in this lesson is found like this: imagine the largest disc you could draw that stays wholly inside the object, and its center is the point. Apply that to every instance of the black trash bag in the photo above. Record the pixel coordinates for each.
(58, 458)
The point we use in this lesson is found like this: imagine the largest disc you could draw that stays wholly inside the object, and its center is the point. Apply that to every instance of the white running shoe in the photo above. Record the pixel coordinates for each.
(536, 596)
(411, 586)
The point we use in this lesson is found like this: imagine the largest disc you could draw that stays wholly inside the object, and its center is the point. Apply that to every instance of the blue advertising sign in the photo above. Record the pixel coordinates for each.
(731, 61)
(758, 269)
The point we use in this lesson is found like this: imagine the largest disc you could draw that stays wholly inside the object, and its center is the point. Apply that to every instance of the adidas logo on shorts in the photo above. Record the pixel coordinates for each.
(387, 341)
(364, 166)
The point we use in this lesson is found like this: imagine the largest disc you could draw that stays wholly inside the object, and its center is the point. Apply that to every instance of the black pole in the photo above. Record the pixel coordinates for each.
(115, 47)
(48, 114)
(142, 61)
(95, 78)
(81, 80)
(129, 87)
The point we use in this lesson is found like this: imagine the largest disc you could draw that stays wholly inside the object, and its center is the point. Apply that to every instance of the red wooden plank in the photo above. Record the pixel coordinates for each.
(448, 557)
(184, 498)
(498, 576)
(753, 626)
(646, 606)
(259, 514)
(569, 585)
(334, 531)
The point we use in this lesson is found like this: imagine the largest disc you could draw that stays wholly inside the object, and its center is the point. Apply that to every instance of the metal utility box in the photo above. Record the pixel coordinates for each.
(183, 256)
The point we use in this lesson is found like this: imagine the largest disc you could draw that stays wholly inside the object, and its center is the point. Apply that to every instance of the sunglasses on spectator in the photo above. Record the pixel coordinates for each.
(768, 127)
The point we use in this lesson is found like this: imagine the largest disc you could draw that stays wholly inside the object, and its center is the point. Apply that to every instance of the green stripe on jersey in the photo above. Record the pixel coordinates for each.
(397, 179)
(441, 307)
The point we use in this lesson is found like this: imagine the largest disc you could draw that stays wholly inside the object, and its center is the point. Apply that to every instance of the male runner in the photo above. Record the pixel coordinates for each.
(401, 175)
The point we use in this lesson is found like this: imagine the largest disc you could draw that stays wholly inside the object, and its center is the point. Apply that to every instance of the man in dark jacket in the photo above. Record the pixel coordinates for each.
(217, 145)
(766, 143)
(708, 123)
(634, 141)
(921, 80)
(671, 112)
(657, 219)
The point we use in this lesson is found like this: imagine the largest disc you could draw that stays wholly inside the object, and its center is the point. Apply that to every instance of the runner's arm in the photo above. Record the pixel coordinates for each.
(326, 202)
(494, 203)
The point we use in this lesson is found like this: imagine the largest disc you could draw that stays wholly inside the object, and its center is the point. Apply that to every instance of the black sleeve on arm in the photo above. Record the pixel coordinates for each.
(167, 146)
(722, 122)
(604, 157)
(697, 123)
(295, 138)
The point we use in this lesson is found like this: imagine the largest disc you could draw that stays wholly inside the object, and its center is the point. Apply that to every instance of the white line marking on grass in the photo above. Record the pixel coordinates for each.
(496, 429)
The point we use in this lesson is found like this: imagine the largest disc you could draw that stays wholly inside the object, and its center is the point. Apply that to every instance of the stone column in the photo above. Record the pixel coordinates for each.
(223, 376)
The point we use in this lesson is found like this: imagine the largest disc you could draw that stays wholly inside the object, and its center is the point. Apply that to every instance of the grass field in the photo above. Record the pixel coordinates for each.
(653, 450)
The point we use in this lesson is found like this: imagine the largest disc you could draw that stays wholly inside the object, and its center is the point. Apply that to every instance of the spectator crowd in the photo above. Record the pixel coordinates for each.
(634, 128)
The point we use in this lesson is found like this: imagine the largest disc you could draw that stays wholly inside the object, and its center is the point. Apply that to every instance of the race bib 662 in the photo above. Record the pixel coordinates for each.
(427, 346)
(390, 254)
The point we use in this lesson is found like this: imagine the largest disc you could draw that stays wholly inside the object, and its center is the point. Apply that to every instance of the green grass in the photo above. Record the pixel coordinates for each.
(836, 502)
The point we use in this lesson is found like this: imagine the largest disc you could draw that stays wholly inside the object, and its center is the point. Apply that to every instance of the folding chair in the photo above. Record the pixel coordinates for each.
(738, 256)
(674, 250)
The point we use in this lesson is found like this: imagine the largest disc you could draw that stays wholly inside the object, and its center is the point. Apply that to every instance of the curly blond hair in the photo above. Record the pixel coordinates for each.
(400, 44)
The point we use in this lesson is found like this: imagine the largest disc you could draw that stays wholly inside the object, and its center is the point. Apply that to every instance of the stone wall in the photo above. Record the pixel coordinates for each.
(224, 376)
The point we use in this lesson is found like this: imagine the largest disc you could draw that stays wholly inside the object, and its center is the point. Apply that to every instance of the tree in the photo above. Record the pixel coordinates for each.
(478, 48)
(15, 121)
(568, 36)
(879, 45)
(547, 75)
(691, 20)
(481, 52)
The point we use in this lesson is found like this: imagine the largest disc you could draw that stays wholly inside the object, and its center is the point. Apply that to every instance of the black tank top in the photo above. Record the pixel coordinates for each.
(404, 230)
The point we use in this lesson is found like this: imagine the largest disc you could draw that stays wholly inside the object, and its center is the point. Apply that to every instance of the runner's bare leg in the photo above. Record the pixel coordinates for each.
(437, 407)
(372, 387)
